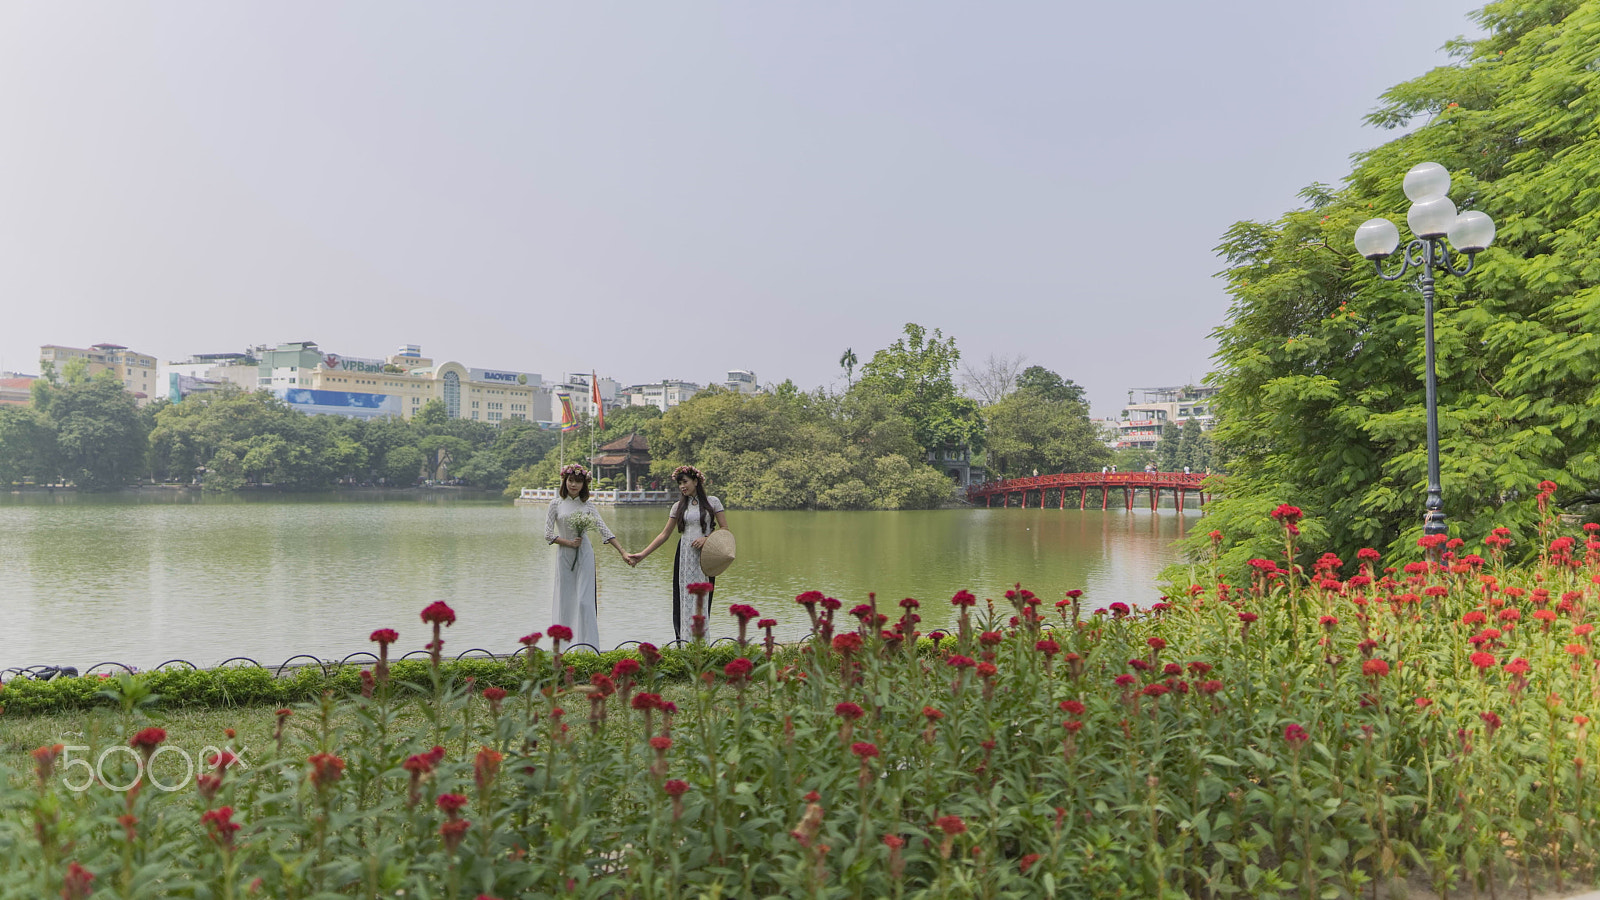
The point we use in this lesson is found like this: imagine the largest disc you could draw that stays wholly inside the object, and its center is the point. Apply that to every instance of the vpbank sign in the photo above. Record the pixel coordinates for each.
(500, 376)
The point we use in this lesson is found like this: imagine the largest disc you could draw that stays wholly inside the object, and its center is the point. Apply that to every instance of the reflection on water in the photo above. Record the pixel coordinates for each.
(143, 579)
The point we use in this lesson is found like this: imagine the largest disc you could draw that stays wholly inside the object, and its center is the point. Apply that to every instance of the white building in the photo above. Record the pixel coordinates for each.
(663, 395)
(742, 381)
(1139, 425)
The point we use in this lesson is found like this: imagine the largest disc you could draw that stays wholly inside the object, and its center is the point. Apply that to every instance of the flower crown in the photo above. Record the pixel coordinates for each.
(681, 471)
(574, 469)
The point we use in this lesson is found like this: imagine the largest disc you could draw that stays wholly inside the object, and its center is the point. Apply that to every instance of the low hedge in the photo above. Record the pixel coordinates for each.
(256, 686)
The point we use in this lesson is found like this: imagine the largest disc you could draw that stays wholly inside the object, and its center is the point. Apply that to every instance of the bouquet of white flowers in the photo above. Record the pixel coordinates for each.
(580, 523)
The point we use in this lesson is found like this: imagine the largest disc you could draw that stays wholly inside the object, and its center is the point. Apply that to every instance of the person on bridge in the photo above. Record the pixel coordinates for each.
(577, 600)
(695, 515)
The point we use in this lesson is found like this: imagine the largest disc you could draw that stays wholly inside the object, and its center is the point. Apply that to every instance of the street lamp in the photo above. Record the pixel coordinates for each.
(1432, 217)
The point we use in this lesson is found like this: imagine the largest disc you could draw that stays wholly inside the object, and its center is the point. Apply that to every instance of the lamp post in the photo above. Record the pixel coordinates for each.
(1432, 217)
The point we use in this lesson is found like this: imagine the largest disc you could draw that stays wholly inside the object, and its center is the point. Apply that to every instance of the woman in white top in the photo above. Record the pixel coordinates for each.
(695, 515)
(576, 595)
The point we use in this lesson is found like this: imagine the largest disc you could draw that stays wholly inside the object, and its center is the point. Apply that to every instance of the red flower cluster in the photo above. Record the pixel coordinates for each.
(699, 588)
(560, 633)
(386, 636)
(325, 769)
(438, 613)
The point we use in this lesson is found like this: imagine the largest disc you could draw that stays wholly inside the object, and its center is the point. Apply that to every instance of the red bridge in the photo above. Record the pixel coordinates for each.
(1152, 483)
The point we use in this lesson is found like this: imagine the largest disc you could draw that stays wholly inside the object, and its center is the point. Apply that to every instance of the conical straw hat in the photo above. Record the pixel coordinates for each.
(717, 554)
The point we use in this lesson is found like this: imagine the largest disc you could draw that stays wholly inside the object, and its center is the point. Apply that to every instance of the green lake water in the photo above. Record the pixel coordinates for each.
(141, 579)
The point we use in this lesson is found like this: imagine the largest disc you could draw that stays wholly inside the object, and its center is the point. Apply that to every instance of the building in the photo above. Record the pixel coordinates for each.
(956, 462)
(208, 372)
(16, 390)
(1139, 425)
(663, 395)
(628, 456)
(404, 383)
(742, 381)
(136, 371)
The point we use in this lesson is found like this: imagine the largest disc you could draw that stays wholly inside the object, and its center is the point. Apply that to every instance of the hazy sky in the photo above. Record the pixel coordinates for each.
(670, 189)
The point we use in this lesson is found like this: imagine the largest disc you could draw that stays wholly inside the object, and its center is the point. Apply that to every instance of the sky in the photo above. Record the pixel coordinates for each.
(671, 190)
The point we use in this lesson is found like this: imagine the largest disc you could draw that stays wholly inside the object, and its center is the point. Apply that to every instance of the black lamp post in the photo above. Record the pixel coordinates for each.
(1432, 217)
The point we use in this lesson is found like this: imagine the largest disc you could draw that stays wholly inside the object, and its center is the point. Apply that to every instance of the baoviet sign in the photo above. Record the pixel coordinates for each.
(501, 376)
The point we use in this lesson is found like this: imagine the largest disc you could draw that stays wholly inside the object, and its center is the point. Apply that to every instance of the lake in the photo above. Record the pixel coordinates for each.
(145, 578)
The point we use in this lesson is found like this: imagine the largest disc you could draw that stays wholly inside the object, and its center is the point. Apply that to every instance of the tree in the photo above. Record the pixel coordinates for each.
(847, 361)
(27, 446)
(402, 465)
(916, 374)
(1044, 383)
(992, 381)
(101, 436)
(1028, 432)
(1321, 363)
(1169, 453)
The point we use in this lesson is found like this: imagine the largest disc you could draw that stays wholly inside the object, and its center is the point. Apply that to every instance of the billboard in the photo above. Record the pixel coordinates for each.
(503, 376)
(341, 403)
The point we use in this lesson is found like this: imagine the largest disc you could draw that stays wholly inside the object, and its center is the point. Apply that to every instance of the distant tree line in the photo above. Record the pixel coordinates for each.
(865, 448)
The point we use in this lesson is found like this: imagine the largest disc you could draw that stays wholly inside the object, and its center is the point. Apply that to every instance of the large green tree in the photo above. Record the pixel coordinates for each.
(917, 375)
(1321, 363)
(1042, 426)
(100, 435)
(27, 446)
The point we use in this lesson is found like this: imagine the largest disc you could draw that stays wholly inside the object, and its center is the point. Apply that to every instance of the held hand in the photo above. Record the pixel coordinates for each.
(697, 543)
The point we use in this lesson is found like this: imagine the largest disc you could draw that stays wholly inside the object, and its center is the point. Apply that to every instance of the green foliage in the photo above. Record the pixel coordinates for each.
(916, 374)
(1042, 426)
(100, 437)
(793, 450)
(28, 449)
(1321, 376)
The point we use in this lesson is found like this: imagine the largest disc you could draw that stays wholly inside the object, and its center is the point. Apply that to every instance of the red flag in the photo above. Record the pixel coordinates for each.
(599, 408)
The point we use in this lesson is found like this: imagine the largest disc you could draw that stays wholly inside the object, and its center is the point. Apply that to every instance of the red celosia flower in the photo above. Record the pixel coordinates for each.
(1288, 515)
(675, 787)
(147, 740)
(864, 750)
(767, 623)
(986, 669)
(808, 598)
(560, 633)
(1072, 707)
(847, 643)
(933, 715)
(1248, 617)
(1156, 644)
(220, 825)
(699, 588)
(963, 598)
(1374, 668)
(528, 640)
(1120, 609)
(990, 638)
(1210, 687)
(661, 743)
(738, 670)
(1072, 725)
(1577, 649)
(1047, 646)
(438, 613)
(848, 711)
(1295, 736)
(960, 662)
(1027, 862)
(1139, 664)
(325, 769)
(1482, 660)
(1581, 630)
(1199, 668)
(1424, 703)
(1490, 721)
(1124, 680)
(76, 884)
(453, 832)
(1475, 617)
(646, 701)
(744, 612)
(950, 824)
(1518, 666)
(451, 804)
(1328, 622)
(1154, 690)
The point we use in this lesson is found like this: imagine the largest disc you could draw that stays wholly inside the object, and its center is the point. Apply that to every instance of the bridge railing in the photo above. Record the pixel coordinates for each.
(603, 497)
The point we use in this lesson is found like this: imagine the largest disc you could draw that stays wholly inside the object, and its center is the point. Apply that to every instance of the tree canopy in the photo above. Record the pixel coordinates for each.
(1321, 362)
(1043, 425)
(916, 375)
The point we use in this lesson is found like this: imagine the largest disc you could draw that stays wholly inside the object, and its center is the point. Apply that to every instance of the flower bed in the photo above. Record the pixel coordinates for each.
(1301, 736)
